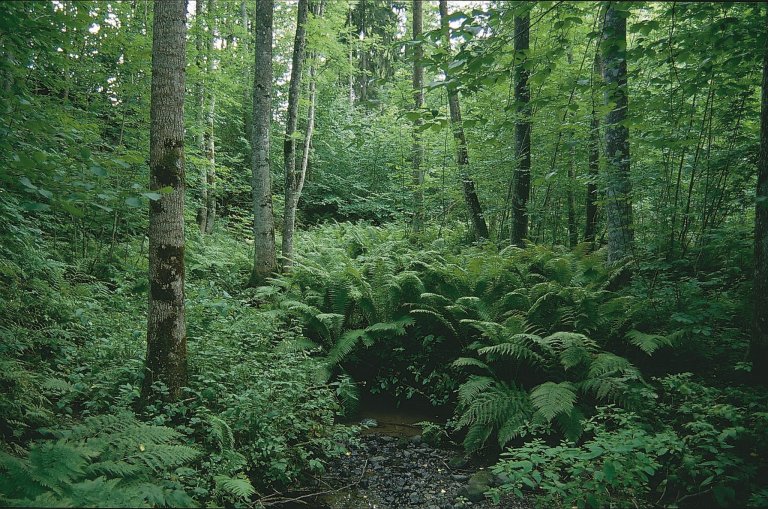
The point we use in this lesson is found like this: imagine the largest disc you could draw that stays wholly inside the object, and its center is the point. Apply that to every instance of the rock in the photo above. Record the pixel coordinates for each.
(378, 459)
(415, 439)
(458, 462)
(415, 498)
(369, 423)
(459, 477)
(478, 484)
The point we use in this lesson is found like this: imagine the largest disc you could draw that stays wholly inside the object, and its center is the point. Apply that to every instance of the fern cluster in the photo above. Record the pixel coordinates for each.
(110, 460)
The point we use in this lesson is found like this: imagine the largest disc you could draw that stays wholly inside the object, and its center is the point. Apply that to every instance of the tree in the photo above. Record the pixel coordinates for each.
(418, 100)
(479, 227)
(210, 121)
(618, 207)
(593, 165)
(294, 181)
(166, 329)
(758, 347)
(264, 260)
(522, 187)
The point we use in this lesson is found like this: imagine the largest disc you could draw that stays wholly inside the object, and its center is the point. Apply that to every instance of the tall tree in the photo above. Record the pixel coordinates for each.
(210, 121)
(758, 347)
(522, 187)
(593, 165)
(202, 209)
(418, 100)
(166, 330)
(293, 180)
(479, 226)
(264, 260)
(618, 207)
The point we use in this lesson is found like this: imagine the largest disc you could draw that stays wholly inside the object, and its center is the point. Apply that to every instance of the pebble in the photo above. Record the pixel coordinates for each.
(402, 474)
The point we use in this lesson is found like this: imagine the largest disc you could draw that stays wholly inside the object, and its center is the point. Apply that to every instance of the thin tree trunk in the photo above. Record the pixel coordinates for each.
(593, 165)
(479, 227)
(202, 210)
(573, 234)
(619, 188)
(758, 347)
(166, 330)
(264, 259)
(289, 142)
(418, 100)
(210, 143)
(247, 92)
(522, 190)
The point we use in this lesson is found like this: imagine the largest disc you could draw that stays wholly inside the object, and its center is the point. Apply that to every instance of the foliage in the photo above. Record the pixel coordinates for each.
(109, 460)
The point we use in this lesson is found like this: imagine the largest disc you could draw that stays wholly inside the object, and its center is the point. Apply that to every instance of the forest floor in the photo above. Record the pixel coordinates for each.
(391, 466)
(385, 472)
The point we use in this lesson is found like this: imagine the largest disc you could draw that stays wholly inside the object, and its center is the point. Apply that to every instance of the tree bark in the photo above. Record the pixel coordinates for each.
(264, 259)
(522, 189)
(573, 234)
(210, 143)
(202, 210)
(479, 227)
(166, 330)
(289, 143)
(593, 164)
(418, 100)
(758, 347)
(619, 188)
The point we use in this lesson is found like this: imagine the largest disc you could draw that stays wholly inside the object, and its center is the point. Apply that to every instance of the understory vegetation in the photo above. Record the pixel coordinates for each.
(592, 320)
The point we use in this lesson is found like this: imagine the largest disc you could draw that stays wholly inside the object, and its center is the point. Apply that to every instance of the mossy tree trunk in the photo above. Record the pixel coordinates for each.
(758, 348)
(418, 100)
(166, 330)
(618, 207)
(522, 187)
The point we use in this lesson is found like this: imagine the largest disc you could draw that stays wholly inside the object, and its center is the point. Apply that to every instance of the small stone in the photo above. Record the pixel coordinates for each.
(415, 498)
(459, 477)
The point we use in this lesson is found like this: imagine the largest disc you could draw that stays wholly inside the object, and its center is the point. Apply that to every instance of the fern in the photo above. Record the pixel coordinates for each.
(345, 345)
(551, 399)
(106, 460)
(238, 487)
(648, 343)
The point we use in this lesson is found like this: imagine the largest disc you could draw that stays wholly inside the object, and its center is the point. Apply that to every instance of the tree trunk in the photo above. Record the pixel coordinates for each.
(247, 92)
(479, 227)
(289, 142)
(593, 164)
(202, 210)
(166, 331)
(522, 189)
(264, 260)
(758, 347)
(418, 100)
(619, 188)
(573, 234)
(210, 144)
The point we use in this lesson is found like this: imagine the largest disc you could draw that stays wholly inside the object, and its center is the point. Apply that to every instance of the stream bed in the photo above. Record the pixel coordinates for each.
(392, 467)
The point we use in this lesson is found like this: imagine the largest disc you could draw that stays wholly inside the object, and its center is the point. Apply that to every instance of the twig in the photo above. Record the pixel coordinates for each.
(317, 494)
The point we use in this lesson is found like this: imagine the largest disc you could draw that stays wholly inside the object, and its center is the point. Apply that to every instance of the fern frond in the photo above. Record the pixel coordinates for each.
(648, 343)
(344, 345)
(474, 386)
(239, 487)
(551, 399)
(463, 362)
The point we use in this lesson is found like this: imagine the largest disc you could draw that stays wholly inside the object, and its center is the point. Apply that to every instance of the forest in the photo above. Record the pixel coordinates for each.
(348, 254)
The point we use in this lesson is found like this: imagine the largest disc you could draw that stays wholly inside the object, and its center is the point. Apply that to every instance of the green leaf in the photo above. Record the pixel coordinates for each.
(152, 196)
(133, 202)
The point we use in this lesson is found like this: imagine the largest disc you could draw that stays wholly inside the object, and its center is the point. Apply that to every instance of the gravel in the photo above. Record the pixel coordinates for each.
(390, 474)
